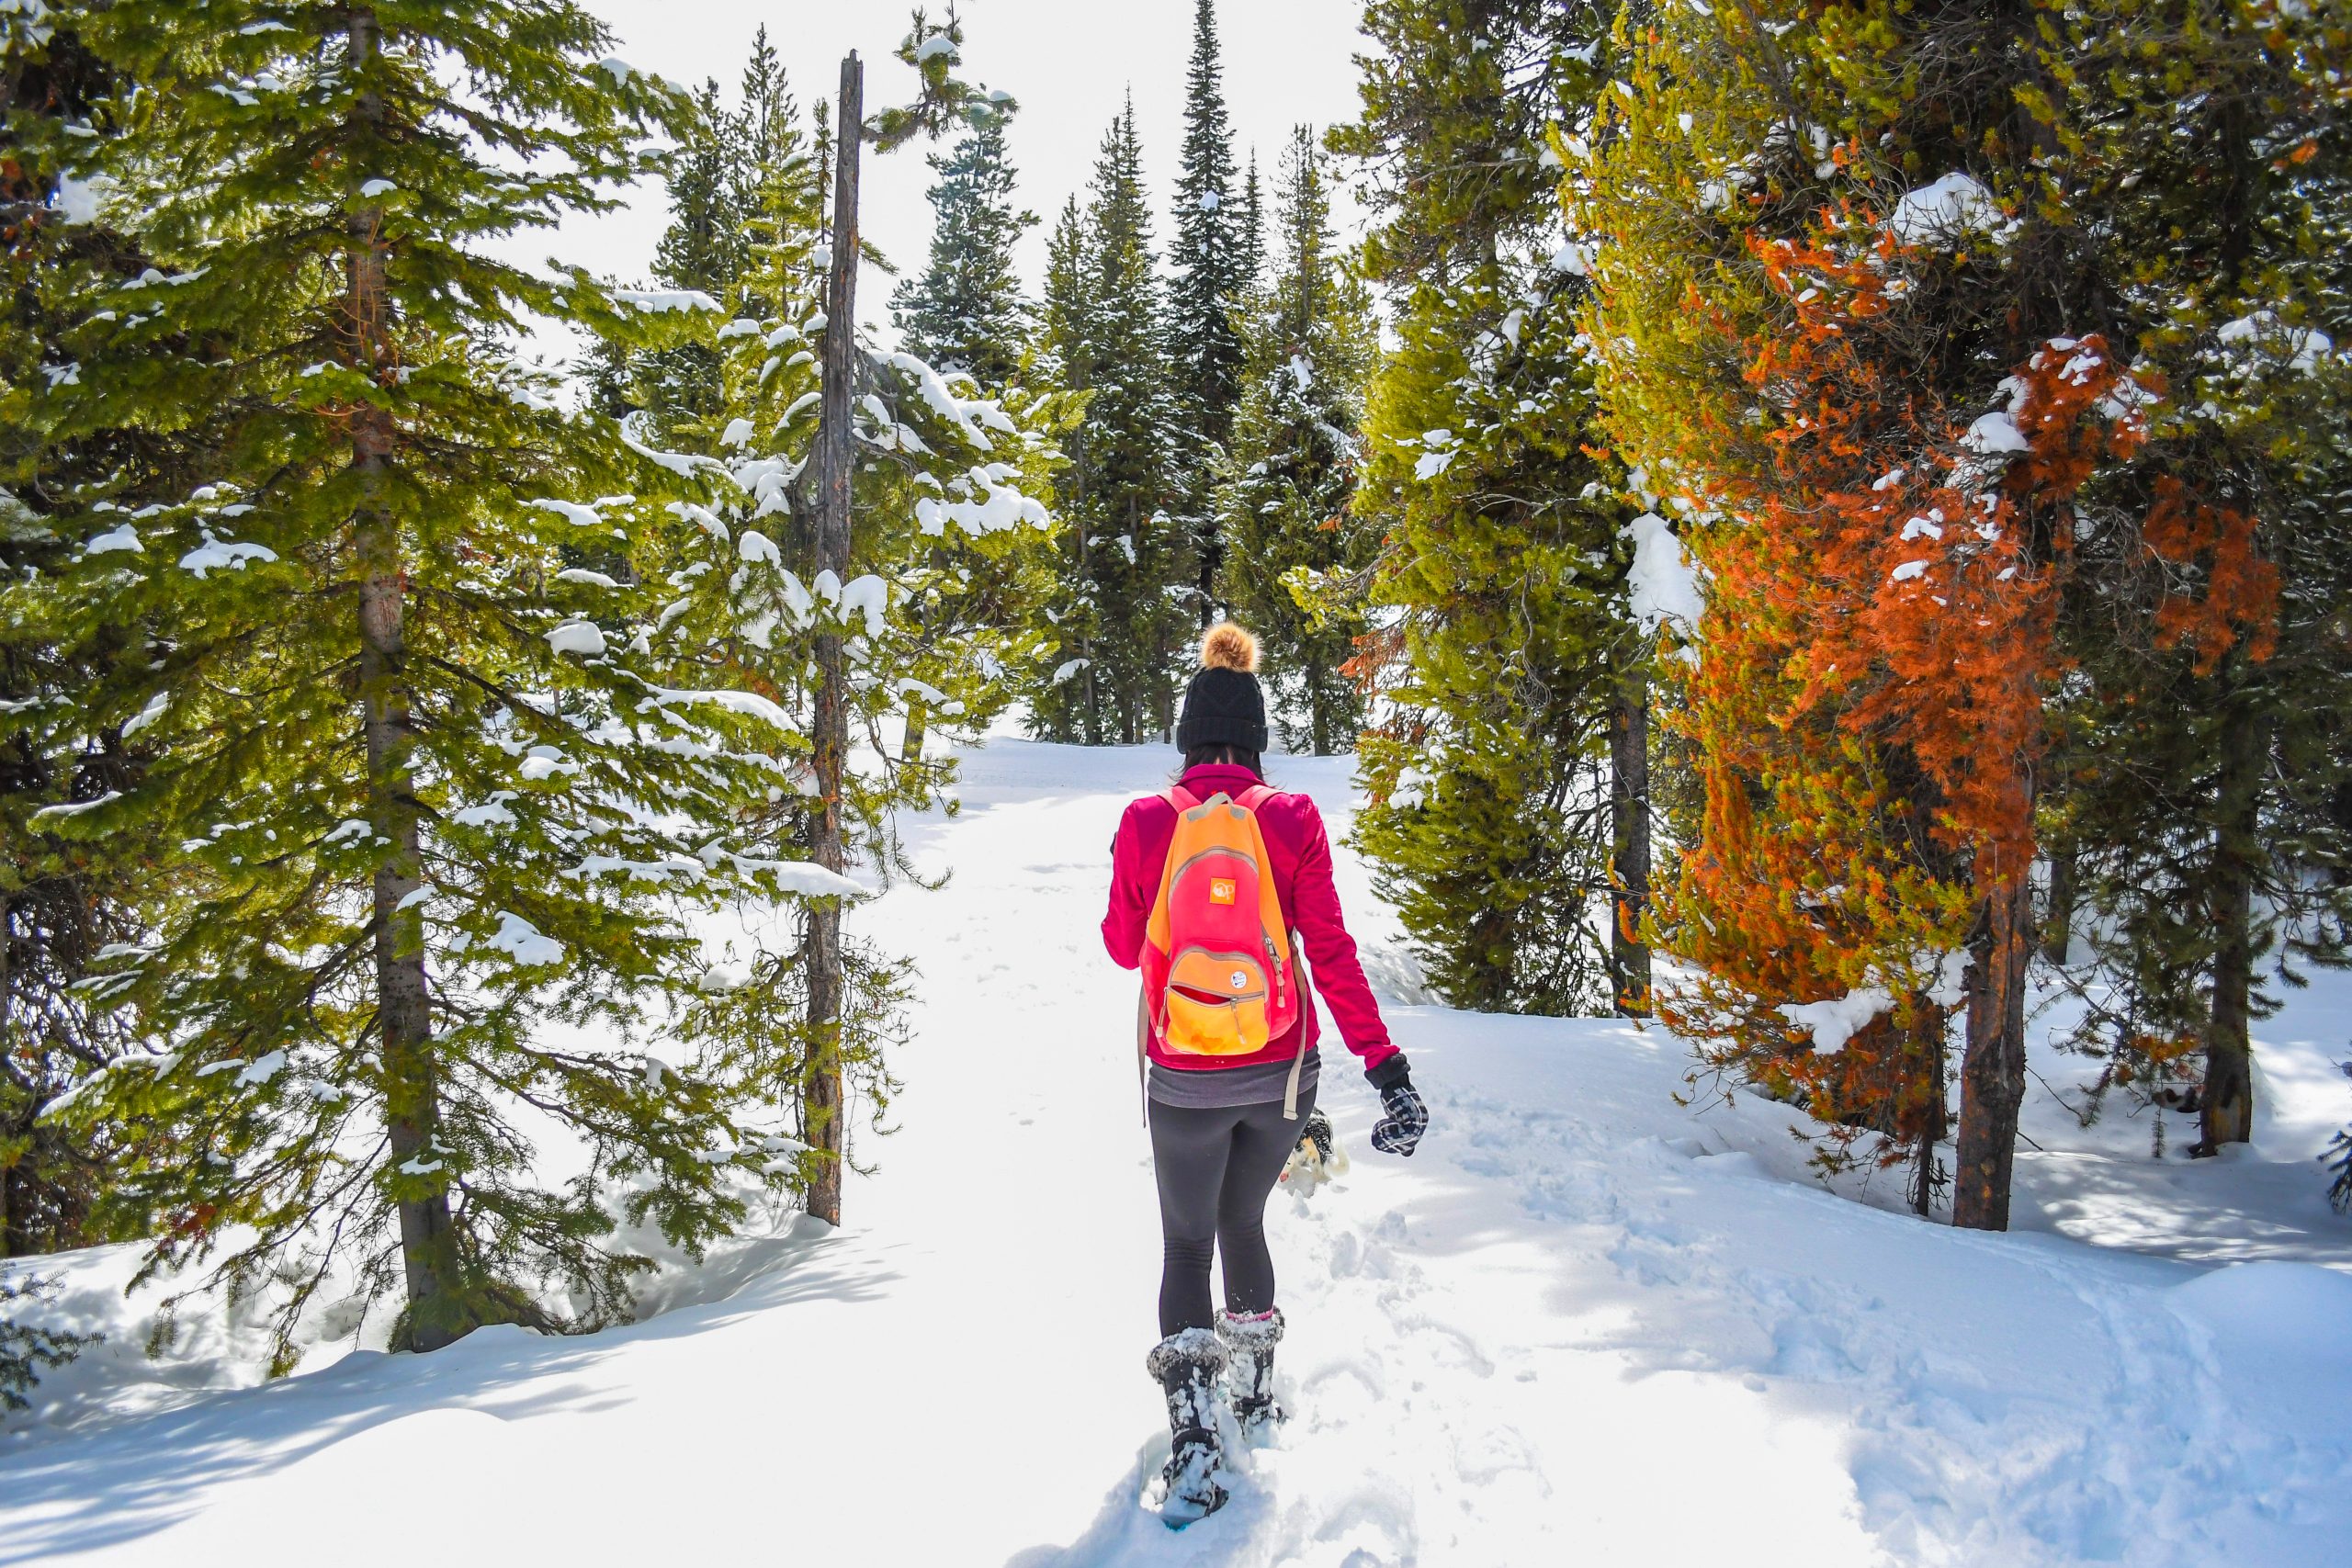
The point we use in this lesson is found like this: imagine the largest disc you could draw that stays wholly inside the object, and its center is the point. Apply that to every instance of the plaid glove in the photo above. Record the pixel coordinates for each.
(1399, 1131)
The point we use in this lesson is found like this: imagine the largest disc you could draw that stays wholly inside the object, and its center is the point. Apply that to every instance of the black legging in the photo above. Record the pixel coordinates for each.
(1215, 1166)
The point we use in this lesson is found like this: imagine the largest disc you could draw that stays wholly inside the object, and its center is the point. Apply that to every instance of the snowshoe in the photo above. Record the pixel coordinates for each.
(1249, 1341)
(1318, 1157)
(1188, 1365)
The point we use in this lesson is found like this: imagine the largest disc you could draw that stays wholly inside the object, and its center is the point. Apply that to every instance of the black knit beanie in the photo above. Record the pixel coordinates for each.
(1223, 706)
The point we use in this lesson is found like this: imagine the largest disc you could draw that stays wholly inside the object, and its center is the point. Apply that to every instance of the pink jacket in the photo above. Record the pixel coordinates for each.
(1301, 854)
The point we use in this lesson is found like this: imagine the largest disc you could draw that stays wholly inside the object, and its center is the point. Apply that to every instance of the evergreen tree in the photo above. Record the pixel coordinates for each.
(1507, 659)
(766, 137)
(1105, 329)
(1210, 263)
(1065, 702)
(1250, 241)
(1890, 308)
(62, 903)
(1296, 553)
(2205, 750)
(1795, 314)
(965, 314)
(398, 744)
(947, 546)
(767, 126)
(702, 250)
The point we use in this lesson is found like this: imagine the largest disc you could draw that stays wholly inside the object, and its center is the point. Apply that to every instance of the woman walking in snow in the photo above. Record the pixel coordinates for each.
(1215, 885)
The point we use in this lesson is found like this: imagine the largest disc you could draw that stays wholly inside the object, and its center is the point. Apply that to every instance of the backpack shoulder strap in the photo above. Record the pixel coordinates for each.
(1180, 797)
(1257, 795)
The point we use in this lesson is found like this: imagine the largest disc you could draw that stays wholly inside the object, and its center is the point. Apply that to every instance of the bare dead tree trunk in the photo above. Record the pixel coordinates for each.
(821, 1089)
(436, 1312)
(1991, 1069)
(2226, 1113)
(1629, 827)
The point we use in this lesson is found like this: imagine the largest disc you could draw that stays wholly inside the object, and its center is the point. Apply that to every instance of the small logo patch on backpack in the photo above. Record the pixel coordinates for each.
(1221, 890)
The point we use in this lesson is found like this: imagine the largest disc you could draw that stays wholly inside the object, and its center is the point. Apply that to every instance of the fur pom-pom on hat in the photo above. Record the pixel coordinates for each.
(1227, 646)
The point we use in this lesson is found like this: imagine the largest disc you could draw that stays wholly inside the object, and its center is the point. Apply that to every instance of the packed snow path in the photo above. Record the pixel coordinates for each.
(1582, 1325)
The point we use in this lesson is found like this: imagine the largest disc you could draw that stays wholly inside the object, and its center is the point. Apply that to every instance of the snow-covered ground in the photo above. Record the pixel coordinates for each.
(1583, 1323)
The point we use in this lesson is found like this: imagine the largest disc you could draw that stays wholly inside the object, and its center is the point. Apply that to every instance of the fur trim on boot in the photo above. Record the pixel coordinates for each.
(1249, 1341)
(1187, 1365)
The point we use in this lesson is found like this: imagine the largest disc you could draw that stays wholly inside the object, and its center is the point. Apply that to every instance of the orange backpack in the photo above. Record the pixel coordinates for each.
(1218, 979)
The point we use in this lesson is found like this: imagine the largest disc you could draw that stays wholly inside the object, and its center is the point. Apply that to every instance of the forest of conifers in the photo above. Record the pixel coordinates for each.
(1815, 520)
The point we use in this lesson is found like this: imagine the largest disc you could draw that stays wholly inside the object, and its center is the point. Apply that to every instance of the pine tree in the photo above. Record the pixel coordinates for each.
(1883, 314)
(396, 739)
(1507, 642)
(2206, 746)
(1296, 555)
(1864, 706)
(965, 314)
(1064, 702)
(1111, 671)
(62, 903)
(1212, 278)
(703, 251)
(905, 543)
(1251, 242)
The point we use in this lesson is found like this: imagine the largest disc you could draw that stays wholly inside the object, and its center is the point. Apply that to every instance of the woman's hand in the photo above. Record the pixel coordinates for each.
(1399, 1131)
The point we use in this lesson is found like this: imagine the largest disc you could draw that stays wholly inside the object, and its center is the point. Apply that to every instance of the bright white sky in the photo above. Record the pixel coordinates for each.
(1070, 62)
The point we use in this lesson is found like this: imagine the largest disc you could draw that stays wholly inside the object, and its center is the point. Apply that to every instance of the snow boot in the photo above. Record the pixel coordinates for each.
(1250, 1340)
(1188, 1364)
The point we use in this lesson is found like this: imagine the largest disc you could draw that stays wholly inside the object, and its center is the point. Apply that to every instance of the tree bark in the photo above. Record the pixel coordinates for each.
(2226, 1113)
(1928, 1045)
(438, 1314)
(1991, 1069)
(8, 1014)
(821, 1087)
(1629, 861)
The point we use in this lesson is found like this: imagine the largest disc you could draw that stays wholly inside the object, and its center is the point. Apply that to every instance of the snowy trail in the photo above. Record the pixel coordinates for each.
(1581, 1322)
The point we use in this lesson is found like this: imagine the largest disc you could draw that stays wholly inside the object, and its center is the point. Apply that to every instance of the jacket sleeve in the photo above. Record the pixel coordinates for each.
(1130, 910)
(1332, 951)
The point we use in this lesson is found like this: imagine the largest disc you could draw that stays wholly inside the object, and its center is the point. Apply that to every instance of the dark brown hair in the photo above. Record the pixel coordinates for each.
(1219, 752)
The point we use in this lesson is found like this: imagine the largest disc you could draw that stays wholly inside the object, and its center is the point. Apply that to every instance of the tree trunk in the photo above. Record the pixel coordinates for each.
(1629, 861)
(1212, 555)
(1992, 1070)
(1319, 739)
(1090, 724)
(821, 1090)
(2227, 1107)
(438, 1312)
(2058, 919)
(7, 1012)
(1927, 1047)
